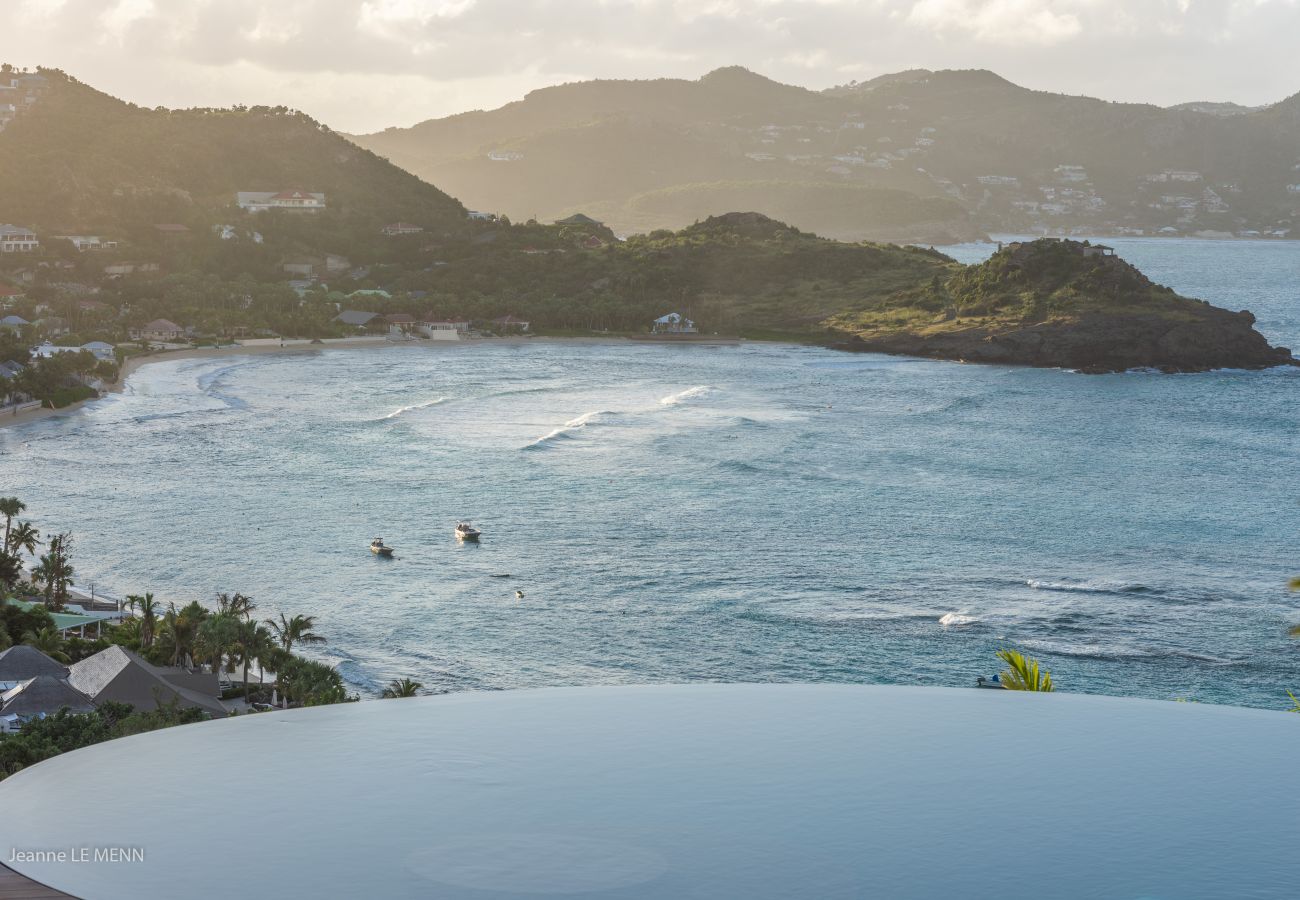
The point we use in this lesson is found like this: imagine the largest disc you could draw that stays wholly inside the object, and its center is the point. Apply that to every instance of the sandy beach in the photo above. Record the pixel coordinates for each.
(259, 347)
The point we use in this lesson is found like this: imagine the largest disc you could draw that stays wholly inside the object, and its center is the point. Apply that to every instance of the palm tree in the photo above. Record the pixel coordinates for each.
(148, 616)
(10, 570)
(297, 630)
(55, 571)
(1023, 673)
(402, 687)
(180, 630)
(23, 536)
(216, 636)
(9, 508)
(48, 641)
(236, 604)
(252, 642)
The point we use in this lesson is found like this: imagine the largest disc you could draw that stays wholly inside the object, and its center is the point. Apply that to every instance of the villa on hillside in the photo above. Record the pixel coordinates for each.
(481, 216)
(84, 242)
(292, 201)
(401, 228)
(673, 323)
(11, 294)
(14, 239)
(172, 230)
(14, 322)
(162, 330)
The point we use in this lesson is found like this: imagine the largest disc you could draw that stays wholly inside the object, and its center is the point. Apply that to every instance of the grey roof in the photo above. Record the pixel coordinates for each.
(43, 694)
(354, 317)
(22, 662)
(14, 320)
(119, 675)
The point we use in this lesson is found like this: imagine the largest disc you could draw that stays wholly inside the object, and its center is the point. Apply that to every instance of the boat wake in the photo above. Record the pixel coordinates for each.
(689, 394)
(412, 408)
(1087, 587)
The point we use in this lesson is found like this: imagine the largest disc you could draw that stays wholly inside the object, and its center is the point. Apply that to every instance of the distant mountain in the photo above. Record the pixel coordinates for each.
(80, 159)
(969, 150)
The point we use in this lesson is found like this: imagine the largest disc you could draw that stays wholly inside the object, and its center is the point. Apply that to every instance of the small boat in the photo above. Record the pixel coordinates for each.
(379, 548)
(467, 532)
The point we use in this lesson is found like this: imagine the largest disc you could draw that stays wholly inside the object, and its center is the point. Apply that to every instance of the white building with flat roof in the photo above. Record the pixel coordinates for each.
(15, 239)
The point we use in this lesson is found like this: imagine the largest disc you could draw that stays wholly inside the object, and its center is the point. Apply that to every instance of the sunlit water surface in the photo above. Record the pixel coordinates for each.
(754, 513)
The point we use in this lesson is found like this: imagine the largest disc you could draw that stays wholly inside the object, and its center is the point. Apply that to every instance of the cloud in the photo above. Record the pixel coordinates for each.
(365, 64)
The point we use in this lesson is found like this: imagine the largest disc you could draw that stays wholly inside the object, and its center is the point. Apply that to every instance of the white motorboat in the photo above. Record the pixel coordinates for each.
(467, 532)
(379, 548)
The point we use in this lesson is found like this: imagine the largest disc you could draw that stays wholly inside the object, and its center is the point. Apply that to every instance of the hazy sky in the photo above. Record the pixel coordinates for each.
(361, 65)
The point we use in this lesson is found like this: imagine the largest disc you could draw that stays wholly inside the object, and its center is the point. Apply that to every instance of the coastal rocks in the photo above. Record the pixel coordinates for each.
(1096, 344)
(1068, 304)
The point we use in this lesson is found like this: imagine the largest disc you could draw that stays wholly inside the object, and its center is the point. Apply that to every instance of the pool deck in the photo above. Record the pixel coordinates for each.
(18, 887)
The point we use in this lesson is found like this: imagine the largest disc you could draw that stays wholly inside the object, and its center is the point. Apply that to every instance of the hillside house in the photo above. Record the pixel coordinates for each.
(172, 230)
(161, 330)
(15, 239)
(401, 228)
(118, 269)
(14, 323)
(10, 294)
(673, 323)
(1092, 250)
(481, 216)
(84, 242)
(290, 201)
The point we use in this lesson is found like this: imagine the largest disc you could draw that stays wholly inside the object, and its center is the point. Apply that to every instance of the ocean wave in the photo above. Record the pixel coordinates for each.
(689, 394)
(566, 431)
(1088, 587)
(953, 618)
(412, 408)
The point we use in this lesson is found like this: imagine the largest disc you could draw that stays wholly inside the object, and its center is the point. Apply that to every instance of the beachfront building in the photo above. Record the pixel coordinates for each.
(102, 350)
(21, 662)
(359, 318)
(289, 201)
(673, 323)
(15, 239)
(121, 676)
(161, 330)
(510, 324)
(38, 697)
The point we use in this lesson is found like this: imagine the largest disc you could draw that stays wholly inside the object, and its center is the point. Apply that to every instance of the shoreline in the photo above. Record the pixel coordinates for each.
(294, 346)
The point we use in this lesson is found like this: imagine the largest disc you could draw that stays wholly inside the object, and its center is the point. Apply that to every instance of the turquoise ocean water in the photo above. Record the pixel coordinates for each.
(755, 513)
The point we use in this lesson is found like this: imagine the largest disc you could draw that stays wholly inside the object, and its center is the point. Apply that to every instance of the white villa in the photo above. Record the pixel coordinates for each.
(293, 201)
(14, 239)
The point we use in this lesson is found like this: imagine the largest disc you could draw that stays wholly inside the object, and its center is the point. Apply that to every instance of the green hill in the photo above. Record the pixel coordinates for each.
(80, 159)
(1009, 158)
